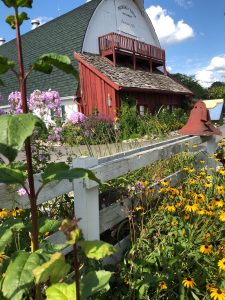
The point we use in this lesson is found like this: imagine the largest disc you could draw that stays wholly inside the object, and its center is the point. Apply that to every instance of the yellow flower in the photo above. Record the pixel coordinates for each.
(191, 207)
(170, 208)
(2, 257)
(191, 170)
(209, 286)
(218, 202)
(202, 161)
(188, 282)
(3, 213)
(165, 183)
(221, 264)
(208, 177)
(191, 181)
(222, 217)
(202, 173)
(200, 197)
(206, 249)
(201, 212)
(162, 285)
(222, 172)
(220, 189)
(185, 168)
(138, 208)
(194, 146)
(208, 184)
(174, 223)
(46, 233)
(207, 235)
(217, 294)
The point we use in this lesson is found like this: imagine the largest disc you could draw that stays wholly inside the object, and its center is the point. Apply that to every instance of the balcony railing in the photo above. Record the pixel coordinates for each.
(114, 41)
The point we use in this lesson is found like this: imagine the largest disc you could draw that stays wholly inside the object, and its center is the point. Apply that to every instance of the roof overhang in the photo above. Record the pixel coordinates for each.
(145, 90)
(94, 70)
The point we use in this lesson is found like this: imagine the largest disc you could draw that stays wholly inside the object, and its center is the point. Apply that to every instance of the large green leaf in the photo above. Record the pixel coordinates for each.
(6, 236)
(54, 269)
(61, 291)
(5, 64)
(97, 249)
(9, 175)
(18, 3)
(48, 225)
(18, 276)
(94, 282)
(15, 129)
(60, 171)
(62, 62)
(11, 20)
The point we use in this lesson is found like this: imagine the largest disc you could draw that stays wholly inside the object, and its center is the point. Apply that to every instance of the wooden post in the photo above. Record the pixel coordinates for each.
(86, 201)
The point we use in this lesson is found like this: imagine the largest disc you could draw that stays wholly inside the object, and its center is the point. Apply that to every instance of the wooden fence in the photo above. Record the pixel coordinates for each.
(86, 192)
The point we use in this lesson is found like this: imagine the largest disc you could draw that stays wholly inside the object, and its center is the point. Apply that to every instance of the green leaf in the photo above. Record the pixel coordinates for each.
(195, 296)
(60, 171)
(11, 20)
(6, 236)
(94, 282)
(61, 291)
(48, 225)
(97, 249)
(62, 62)
(54, 269)
(18, 3)
(5, 64)
(9, 175)
(18, 276)
(15, 130)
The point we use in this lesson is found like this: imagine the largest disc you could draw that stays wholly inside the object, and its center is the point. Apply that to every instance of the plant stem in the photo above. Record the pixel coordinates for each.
(22, 81)
(77, 272)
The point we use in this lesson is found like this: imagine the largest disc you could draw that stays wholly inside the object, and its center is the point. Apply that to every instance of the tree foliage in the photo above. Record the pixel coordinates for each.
(192, 84)
(217, 90)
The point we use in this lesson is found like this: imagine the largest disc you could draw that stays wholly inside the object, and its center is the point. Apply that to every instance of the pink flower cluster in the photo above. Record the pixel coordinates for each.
(15, 103)
(76, 117)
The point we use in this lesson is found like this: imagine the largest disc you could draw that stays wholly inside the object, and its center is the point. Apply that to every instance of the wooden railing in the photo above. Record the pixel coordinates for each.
(117, 41)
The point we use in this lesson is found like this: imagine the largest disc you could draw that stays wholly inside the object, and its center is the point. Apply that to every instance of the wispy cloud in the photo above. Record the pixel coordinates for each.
(168, 30)
(184, 3)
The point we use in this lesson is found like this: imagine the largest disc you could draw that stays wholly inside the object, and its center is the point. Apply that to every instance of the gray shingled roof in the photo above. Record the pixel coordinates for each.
(128, 78)
(62, 35)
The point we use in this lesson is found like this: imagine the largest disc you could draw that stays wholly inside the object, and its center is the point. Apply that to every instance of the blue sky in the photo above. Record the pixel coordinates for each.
(191, 31)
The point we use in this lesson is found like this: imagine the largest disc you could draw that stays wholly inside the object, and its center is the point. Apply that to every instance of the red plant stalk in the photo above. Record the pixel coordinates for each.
(31, 195)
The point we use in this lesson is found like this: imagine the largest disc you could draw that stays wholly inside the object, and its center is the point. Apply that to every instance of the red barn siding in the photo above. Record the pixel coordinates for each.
(95, 93)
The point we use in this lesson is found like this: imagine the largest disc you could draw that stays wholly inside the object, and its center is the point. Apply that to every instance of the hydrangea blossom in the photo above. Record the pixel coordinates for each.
(76, 117)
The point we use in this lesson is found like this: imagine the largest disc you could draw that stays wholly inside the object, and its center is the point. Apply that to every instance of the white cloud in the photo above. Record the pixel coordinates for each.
(168, 31)
(213, 72)
(184, 3)
(169, 69)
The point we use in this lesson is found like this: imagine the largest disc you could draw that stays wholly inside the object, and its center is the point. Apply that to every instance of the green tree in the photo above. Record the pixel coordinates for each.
(192, 84)
(217, 91)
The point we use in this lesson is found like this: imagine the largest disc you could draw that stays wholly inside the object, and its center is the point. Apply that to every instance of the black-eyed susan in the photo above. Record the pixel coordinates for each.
(162, 285)
(200, 212)
(165, 183)
(185, 168)
(2, 257)
(222, 171)
(217, 294)
(221, 264)
(206, 249)
(188, 282)
(200, 197)
(206, 235)
(202, 173)
(209, 177)
(3, 213)
(191, 170)
(209, 286)
(192, 207)
(202, 161)
(219, 189)
(222, 217)
(191, 181)
(218, 202)
(170, 208)
(208, 185)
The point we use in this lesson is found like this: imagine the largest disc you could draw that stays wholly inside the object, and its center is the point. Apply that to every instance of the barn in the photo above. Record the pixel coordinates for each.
(114, 46)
